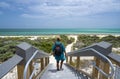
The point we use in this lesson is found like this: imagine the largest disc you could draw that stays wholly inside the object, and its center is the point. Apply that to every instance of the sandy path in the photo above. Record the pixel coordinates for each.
(69, 49)
(69, 46)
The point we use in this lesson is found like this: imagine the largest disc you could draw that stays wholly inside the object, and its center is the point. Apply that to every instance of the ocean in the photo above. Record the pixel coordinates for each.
(35, 32)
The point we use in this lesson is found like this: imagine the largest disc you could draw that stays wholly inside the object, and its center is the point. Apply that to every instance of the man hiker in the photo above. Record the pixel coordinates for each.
(59, 53)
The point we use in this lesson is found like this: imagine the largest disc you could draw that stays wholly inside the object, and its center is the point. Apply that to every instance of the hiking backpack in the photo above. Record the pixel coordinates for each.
(58, 49)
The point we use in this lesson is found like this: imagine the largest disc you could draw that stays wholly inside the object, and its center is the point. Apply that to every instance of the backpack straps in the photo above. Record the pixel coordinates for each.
(58, 44)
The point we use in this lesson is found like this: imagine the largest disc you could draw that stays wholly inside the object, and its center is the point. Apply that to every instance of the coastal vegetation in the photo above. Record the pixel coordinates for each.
(8, 44)
(115, 41)
(86, 40)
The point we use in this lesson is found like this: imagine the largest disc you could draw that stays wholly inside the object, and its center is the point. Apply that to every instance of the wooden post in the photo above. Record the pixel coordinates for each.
(20, 70)
(95, 71)
(28, 72)
(42, 64)
(24, 50)
(70, 59)
(46, 61)
(67, 59)
(101, 66)
(31, 67)
(105, 67)
(78, 63)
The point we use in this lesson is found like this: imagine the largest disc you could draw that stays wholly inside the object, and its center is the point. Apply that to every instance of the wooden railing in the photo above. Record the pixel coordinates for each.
(95, 73)
(8, 65)
(24, 58)
(115, 58)
(76, 65)
(101, 63)
(44, 61)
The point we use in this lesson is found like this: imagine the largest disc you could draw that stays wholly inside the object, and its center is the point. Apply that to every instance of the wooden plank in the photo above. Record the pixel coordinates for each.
(45, 61)
(78, 63)
(20, 70)
(31, 67)
(101, 66)
(70, 60)
(48, 60)
(95, 71)
(105, 67)
(42, 64)
(67, 59)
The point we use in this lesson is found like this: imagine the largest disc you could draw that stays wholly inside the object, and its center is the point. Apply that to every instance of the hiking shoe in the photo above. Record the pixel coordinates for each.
(58, 69)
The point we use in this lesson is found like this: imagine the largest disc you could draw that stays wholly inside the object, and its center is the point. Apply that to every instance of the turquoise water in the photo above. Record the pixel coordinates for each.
(12, 32)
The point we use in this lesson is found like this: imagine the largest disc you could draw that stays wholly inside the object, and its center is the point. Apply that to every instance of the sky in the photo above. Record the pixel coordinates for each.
(59, 13)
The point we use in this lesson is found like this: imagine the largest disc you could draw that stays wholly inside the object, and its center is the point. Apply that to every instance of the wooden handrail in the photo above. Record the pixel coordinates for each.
(103, 54)
(8, 65)
(106, 59)
(114, 58)
(24, 55)
(26, 67)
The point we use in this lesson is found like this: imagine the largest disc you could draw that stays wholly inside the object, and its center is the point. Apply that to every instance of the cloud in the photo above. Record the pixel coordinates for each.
(24, 2)
(59, 8)
(4, 5)
(32, 16)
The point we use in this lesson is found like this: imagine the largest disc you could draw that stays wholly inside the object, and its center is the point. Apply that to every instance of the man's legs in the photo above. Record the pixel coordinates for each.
(61, 64)
(57, 65)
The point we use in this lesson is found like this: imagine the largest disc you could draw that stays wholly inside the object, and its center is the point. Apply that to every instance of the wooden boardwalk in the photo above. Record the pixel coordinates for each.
(66, 73)
(25, 53)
